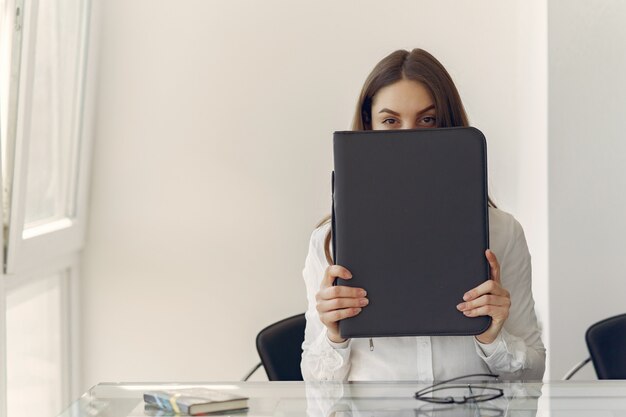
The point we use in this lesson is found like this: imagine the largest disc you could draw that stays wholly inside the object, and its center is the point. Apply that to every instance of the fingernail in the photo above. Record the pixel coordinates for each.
(348, 275)
(358, 310)
(460, 306)
(466, 296)
(467, 313)
(363, 293)
(364, 302)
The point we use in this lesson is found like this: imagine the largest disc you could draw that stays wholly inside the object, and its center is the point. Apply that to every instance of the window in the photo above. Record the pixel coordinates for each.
(35, 363)
(45, 165)
(42, 148)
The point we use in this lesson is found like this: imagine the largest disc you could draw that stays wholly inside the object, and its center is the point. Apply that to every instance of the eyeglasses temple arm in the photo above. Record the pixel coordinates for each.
(419, 393)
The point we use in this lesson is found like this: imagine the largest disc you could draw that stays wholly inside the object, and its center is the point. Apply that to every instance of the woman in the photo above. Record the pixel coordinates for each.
(409, 90)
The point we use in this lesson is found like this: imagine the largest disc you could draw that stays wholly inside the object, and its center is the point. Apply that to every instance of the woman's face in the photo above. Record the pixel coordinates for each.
(405, 104)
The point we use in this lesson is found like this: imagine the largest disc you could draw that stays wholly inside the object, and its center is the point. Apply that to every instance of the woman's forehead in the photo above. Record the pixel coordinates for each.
(403, 96)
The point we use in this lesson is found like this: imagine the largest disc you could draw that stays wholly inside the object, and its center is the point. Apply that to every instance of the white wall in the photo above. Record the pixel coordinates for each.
(587, 160)
(213, 156)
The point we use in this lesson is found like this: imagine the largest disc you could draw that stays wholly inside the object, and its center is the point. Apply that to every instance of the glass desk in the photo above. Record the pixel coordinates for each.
(369, 399)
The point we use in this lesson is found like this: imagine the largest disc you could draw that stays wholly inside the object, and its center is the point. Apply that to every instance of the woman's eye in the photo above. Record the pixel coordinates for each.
(389, 121)
(428, 120)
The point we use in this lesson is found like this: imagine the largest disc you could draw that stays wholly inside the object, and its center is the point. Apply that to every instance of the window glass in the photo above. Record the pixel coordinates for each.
(34, 330)
(54, 113)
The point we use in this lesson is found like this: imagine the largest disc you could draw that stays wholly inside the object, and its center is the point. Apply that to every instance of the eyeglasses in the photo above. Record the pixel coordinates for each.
(477, 393)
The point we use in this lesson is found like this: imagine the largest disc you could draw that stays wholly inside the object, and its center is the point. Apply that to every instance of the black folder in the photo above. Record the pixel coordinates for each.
(410, 221)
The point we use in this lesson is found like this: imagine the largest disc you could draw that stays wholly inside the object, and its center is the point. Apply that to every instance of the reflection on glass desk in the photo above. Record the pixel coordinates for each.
(369, 399)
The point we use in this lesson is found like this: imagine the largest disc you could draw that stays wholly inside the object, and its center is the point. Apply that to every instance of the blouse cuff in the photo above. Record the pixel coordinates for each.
(340, 345)
(486, 350)
(508, 353)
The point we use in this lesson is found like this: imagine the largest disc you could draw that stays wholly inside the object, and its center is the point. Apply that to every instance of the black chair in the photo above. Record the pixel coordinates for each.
(606, 342)
(280, 348)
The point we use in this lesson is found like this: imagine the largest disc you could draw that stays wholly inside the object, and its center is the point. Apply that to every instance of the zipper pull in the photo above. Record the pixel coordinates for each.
(371, 345)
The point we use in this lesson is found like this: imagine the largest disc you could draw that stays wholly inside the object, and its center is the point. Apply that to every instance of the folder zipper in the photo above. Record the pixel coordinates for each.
(371, 345)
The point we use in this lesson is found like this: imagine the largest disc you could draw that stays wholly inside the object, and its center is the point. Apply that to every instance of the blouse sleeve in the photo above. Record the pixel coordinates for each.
(518, 352)
(322, 360)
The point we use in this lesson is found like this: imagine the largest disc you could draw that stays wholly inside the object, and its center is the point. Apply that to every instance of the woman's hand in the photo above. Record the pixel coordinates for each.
(488, 299)
(338, 302)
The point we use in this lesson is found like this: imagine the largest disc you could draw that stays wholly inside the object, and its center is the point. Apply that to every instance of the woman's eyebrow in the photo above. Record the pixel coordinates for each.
(386, 110)
(432, 106)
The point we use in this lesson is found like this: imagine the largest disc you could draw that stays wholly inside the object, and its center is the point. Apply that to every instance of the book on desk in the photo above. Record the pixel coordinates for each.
(194, 401)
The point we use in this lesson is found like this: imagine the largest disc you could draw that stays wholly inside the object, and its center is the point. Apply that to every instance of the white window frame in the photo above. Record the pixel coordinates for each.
(66, 235)
(55, 246)
(3, 332)
(70, 327)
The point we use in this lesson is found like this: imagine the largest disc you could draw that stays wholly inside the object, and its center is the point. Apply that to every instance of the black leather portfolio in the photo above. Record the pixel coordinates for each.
(410, 222)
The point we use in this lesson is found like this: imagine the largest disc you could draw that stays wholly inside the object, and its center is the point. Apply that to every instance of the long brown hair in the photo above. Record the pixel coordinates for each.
(417, 65)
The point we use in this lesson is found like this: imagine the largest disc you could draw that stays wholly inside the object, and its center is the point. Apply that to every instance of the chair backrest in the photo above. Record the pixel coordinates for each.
(606, 341)
(280, 348)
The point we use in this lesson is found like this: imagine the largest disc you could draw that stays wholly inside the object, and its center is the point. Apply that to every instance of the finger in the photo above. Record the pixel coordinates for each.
(487, 287)
(494, 265)
(336, 315)
(495, 312)
(341, 291)
(485, 300)
(332, 272)
(324, 306)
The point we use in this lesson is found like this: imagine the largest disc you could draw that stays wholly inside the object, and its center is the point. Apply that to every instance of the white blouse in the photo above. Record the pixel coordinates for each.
(516, 354)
